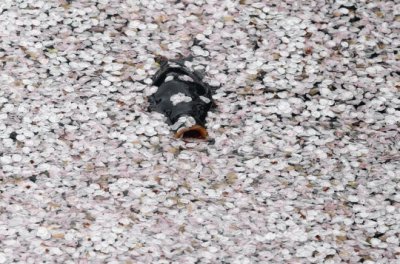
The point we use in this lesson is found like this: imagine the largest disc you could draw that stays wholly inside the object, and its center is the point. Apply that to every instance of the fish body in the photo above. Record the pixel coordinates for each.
(183, 98)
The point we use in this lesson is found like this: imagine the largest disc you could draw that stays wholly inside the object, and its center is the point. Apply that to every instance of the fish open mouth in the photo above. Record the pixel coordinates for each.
(196, 132)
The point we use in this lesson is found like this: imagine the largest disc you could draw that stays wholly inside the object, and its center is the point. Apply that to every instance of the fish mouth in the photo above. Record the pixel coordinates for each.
(195, 132)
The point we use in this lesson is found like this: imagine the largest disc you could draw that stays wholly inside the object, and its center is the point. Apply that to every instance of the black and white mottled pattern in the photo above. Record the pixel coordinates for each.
(302, 165)
(180, 93)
